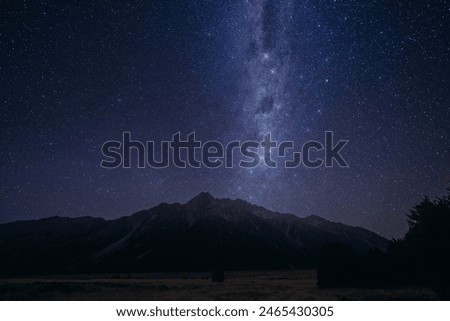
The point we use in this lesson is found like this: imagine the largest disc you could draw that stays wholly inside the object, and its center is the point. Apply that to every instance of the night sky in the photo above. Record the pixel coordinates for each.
(75, 74)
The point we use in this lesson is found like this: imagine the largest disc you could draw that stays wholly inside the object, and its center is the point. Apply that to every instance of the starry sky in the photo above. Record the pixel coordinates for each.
(75, 74)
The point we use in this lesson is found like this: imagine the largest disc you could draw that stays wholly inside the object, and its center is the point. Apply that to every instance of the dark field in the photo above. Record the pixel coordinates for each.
(254, 285)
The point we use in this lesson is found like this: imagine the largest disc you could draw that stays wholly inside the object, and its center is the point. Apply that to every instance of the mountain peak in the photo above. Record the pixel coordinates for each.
(203, 198)
(205, 195)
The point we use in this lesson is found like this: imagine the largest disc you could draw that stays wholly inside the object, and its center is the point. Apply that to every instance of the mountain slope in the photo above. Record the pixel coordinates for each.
(204, 234)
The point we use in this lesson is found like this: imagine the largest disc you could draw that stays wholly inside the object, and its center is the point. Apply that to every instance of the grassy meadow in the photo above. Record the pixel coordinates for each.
(298, 285)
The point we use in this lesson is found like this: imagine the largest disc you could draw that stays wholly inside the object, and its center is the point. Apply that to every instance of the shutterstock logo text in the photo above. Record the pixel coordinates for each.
(190, 152)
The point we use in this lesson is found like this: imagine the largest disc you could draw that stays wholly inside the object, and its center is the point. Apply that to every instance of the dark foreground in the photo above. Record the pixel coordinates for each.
(255, 285)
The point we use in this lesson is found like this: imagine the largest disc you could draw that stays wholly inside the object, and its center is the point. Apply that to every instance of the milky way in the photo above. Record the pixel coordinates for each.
(267, 65)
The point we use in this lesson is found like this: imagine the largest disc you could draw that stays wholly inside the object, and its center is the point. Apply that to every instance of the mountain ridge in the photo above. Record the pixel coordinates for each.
(204, 233)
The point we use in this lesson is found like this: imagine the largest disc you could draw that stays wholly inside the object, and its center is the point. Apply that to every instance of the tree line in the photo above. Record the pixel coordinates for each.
(420, 258)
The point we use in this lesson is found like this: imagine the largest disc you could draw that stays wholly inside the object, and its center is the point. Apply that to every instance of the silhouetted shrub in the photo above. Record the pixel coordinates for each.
(218, 276)
(339, 266)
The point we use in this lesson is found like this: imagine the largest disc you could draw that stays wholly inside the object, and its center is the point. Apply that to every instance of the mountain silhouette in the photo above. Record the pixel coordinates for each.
(204, 234)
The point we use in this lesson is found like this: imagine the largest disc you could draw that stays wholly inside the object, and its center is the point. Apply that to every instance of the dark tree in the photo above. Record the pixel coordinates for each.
(422, 257)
